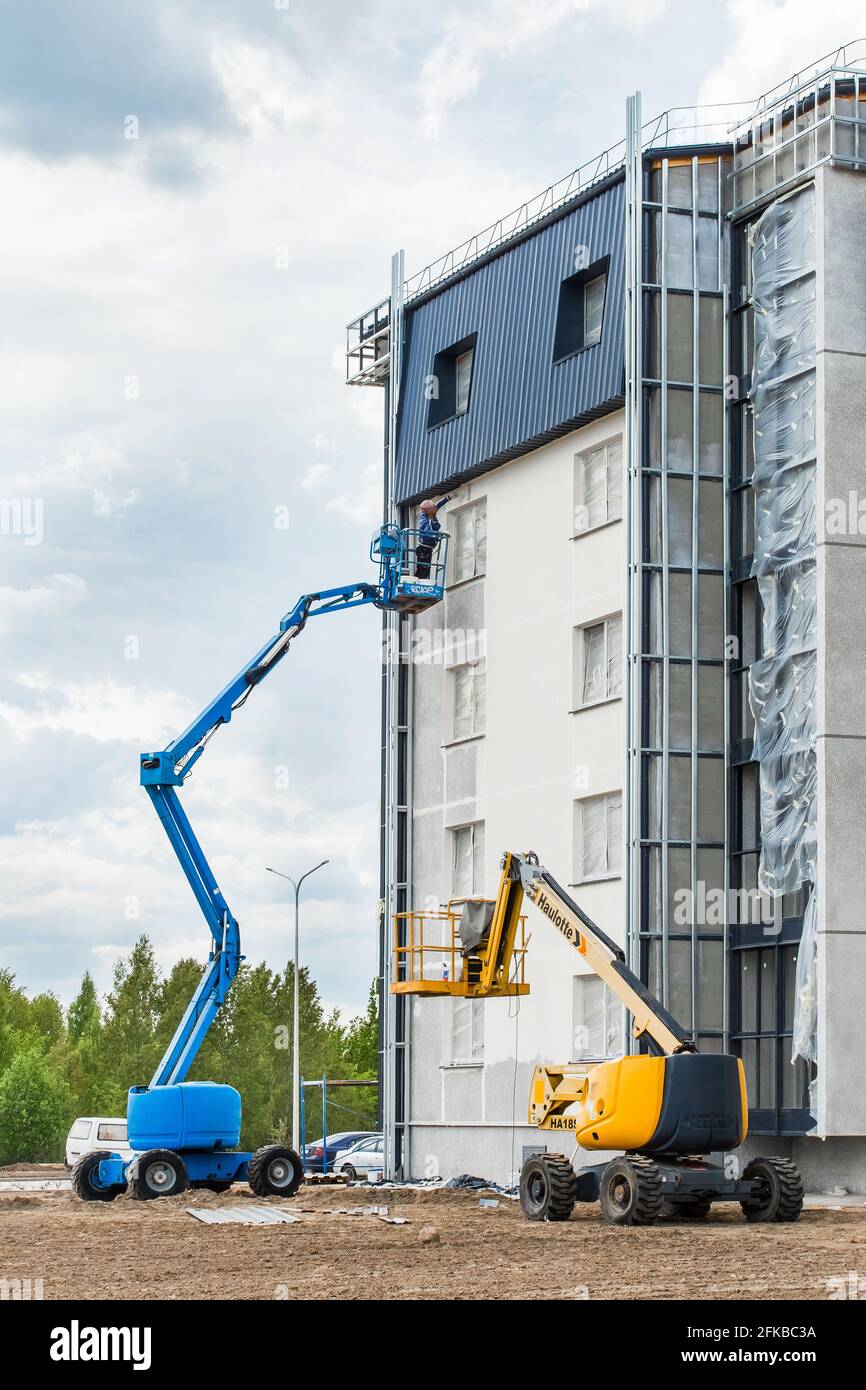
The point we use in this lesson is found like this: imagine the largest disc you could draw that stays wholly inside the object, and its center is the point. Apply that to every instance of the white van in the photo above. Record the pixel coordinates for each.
(92, 1132)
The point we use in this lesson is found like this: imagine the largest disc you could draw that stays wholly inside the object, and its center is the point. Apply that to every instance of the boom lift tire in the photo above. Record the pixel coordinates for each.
(781, 1190)
(275, 1171)
(548, 1187)
(631, 1192)
(160, 1173)
(85, 1179)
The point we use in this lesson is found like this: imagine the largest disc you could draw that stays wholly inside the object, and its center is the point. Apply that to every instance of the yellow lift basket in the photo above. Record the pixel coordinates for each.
(472, 947)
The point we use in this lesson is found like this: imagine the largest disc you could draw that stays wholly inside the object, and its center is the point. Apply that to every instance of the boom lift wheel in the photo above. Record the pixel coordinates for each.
(631, 1192)
(780, 1191)
(548, 1187)
(275, 1171)
(160, 1173)
(85, 1180)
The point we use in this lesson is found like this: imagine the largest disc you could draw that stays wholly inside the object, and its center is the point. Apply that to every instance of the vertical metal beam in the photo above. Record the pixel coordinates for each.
(664, 851)
(693, 664)
(390, 694)
(633, 461)
(729, 628)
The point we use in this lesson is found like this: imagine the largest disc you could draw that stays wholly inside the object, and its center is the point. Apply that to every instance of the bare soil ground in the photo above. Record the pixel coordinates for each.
(128, 1249)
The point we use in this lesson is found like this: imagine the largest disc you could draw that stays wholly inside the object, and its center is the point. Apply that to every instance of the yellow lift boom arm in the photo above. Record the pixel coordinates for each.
(650, 1018)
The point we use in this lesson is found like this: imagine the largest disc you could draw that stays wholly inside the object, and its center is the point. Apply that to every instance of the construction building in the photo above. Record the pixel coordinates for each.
(648, 384)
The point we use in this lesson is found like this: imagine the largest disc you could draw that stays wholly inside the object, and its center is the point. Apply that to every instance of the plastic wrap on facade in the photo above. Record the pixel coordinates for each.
(782, 686)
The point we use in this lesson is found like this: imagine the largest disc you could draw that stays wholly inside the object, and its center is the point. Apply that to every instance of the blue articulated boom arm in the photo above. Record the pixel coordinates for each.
(162, 773)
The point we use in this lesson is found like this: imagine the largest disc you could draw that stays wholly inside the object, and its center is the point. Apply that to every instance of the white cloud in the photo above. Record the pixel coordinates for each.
(52, 598)
(105, 710)
(263, 86)
(86, 464)
(114, 503)
(771, 41)
(364, 503)
(498, 30)
(315, 476)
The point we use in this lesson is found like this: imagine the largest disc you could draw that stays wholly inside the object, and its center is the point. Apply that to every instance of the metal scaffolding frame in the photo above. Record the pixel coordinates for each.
(650, 766)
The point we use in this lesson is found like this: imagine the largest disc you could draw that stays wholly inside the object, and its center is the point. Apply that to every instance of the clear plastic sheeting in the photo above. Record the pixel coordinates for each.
(782, 684)
(806, 987)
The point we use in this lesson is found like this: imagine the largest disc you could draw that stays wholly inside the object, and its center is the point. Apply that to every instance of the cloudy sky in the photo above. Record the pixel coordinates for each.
(198, 194)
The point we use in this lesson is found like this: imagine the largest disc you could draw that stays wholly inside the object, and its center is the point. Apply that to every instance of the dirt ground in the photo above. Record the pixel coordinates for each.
(128, 1249)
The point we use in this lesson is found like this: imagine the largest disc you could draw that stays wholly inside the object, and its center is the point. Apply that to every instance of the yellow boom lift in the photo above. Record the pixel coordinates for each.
(670, 1111)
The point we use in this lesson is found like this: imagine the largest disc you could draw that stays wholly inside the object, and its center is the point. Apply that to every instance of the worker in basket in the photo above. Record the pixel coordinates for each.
(428, 535)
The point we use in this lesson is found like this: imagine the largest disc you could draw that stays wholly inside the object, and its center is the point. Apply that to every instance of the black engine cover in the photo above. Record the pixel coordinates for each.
(702, 1105)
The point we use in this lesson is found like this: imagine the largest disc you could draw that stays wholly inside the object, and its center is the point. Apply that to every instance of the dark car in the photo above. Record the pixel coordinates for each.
(312, 1154)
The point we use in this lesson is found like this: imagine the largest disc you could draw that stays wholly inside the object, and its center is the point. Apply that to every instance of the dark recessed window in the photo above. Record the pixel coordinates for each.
(450, 384)
(580, 312)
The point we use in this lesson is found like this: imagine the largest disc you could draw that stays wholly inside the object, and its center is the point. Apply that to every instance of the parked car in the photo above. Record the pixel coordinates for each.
(358, 1161)
(92, 1132)
(312, 1154)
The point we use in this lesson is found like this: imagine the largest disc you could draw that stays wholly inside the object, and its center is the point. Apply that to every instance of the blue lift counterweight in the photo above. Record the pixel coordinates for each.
(186, 1132)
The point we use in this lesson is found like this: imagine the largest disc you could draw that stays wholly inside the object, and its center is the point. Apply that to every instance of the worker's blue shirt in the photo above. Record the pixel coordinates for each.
(428, 531)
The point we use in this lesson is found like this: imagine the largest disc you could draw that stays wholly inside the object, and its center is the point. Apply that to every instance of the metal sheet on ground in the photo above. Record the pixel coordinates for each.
(244, 1216)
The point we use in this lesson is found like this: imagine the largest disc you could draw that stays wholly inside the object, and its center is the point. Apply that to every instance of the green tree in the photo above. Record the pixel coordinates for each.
(129, 1033)
(362, 1038)
(35, 1109)
(83, 1016)
(14, 1018)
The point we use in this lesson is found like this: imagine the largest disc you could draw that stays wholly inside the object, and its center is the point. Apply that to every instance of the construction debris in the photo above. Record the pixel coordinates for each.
(243, 1216)
(429, 1235)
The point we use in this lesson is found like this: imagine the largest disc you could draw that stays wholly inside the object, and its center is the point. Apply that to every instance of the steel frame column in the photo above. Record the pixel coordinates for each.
(632, 465)
(391, 635)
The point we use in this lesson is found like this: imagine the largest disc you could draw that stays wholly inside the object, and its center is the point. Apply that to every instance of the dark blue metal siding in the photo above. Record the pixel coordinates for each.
(519, 398)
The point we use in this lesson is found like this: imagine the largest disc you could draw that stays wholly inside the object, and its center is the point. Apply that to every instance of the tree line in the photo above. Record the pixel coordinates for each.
(56, 1065)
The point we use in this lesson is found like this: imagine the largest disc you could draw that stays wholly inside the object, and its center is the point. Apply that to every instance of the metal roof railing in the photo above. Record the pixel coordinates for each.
(682, 125)
(817, 116)
(741, 125)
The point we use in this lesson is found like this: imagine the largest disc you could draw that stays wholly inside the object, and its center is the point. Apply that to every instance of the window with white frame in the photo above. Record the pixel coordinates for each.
(597, 1021)
(598, 833)
(467, 861)
(468, 699)
(463, 374)
(467, 1032)
(469, 540)
(598, 661)
(593, 309)
(579, 311)
(598, 486)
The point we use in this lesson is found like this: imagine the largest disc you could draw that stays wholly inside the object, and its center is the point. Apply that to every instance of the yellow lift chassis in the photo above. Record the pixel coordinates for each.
(668, 1110)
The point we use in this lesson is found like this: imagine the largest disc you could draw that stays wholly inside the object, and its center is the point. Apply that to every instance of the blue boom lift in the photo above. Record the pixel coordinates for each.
(186, 1132)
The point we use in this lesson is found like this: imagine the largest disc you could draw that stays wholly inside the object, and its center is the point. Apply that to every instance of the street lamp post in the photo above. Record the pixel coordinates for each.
(296, 1067)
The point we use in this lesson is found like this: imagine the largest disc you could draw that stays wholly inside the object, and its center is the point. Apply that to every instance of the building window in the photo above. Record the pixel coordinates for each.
(580, 312)
(468, 699)
(598, 661)
(469, 529)
(599, 837)
(598, 486)
(467, 1032)
(593, 309)
(463, 374)
(449, 387)
(597, 1015)
(467, 864)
